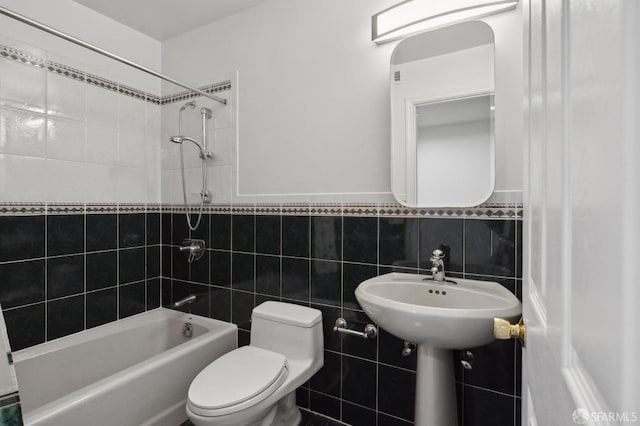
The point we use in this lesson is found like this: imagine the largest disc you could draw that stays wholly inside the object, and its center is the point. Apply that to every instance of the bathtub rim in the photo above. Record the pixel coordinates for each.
(111, 328)
(95, 389)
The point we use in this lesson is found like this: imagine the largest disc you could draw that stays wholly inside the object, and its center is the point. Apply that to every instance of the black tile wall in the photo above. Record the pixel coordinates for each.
(65, 234)
(23, 283)
(360, 239)
(65, 316)
(63, 273)
(102, 270)
(131, 230)
(268, 234)
(25, 325)
(102, 232)
(65, 276)
(318, 261)
(102, 307)
(295, 236)
(22, 237)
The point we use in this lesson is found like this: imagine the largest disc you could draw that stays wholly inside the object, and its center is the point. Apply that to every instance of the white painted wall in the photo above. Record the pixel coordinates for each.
(314, 97)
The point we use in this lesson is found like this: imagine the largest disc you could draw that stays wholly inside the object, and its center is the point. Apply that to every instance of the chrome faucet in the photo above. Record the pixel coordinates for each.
(187, 328)
(437, 265)
(185, 301)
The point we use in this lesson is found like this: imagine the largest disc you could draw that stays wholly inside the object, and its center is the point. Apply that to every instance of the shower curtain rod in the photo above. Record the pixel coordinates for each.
(72, 39)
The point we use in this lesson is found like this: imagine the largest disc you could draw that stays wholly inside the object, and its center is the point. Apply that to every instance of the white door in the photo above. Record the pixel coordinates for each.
(581, 291)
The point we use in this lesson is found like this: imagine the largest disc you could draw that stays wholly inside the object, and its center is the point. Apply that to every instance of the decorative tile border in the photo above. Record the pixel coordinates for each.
(36, 209)
(485, 211)
(16, 55)
(66, 71)
(186, 95)
(368, 210)
(65, 208)
(22, 209)
(102, 82)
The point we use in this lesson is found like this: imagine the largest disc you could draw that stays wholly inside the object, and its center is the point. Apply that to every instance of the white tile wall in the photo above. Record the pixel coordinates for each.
(66, 180)
(222, 141)
(22, 86)
(102, 106)
(102, 144)
(22, 133)
(66, 97)
(167, 178)
(102, 184)
(66, 139)
(22, 178)
(63, 140)
(132, 185)
(221, 183)
(131, 148)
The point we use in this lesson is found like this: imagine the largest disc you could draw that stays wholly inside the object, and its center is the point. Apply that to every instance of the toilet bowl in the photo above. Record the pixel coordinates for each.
(255, 385)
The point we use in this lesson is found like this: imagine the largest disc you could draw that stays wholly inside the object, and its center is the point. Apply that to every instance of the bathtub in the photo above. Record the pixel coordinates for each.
(131, 372)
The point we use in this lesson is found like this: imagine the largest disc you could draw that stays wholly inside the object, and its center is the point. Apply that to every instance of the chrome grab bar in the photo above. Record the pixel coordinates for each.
(370, 330)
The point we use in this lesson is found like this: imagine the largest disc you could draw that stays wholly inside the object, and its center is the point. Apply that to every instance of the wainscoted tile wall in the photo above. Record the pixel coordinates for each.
(316, 256)
(66, 269)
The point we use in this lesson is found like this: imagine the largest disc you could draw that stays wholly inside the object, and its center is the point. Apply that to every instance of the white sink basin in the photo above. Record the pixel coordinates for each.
(435, 314)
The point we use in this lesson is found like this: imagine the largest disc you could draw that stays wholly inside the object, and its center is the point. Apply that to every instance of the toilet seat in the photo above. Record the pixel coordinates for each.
(237, 380)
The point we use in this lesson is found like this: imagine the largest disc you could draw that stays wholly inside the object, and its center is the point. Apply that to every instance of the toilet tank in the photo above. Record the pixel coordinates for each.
(292, 330)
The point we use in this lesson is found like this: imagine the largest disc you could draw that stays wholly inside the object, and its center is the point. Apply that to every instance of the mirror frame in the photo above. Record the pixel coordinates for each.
(410, 143)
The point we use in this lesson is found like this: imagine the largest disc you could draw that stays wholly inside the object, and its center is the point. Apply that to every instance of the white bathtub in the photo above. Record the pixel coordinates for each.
(131, 372)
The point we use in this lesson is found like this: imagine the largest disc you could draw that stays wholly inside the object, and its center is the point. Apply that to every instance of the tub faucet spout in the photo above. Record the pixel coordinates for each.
(185, 301)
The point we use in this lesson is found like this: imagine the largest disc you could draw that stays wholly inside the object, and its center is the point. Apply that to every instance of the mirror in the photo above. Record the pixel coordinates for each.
(442, 117)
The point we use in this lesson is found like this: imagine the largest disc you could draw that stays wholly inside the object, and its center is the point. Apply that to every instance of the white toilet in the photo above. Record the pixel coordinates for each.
(256, 384)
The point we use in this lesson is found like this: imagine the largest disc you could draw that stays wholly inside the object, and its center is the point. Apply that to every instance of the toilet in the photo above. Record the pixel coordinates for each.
(256, 385)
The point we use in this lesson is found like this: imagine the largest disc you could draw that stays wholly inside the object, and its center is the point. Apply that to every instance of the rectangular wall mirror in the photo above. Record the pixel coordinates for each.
(442, 106)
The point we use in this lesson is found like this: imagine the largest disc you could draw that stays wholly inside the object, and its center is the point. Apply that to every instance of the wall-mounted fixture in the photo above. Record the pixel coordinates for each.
(204, 195)
(370, 330)
(413, 16)
(442, 86)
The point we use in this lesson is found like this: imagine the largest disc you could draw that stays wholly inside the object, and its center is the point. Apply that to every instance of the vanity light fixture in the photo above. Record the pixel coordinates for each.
(414, 16)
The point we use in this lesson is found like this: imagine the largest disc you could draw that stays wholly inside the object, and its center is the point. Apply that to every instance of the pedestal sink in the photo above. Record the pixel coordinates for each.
(438, 317)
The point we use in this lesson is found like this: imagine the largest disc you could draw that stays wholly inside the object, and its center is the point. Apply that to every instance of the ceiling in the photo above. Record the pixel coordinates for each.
(163, 19)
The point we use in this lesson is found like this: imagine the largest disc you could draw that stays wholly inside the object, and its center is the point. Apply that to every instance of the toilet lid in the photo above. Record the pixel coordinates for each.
(238, 376)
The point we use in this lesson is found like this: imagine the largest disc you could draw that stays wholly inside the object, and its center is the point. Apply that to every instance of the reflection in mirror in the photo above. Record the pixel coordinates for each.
(443, 144)
(451, 135)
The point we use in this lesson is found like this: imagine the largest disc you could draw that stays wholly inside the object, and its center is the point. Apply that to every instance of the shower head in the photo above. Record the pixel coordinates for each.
(190, 105)
(179, 139)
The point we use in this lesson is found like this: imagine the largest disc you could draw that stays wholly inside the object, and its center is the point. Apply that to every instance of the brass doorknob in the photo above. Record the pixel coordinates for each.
(503, 329)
